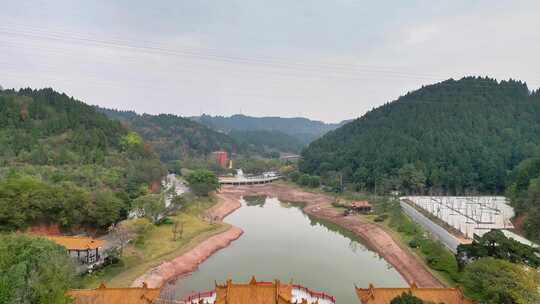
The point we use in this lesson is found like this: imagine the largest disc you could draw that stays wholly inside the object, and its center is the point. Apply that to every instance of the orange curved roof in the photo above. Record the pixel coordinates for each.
(253, 292)
(374, 295)
(360, 204)
(76, 242)
(104, 295)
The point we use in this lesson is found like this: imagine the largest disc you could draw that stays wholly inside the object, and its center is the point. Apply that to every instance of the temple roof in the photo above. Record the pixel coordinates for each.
(360, 204)
(104, 295)
(77, 242)
(253, 292)
(374, 295)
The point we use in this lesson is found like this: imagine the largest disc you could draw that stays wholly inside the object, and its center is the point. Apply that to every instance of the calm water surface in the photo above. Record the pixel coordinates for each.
(281, 242)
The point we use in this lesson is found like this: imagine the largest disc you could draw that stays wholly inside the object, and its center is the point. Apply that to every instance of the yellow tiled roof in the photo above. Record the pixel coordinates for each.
(360, 204)
(253, 293)
(76, 242)
(374, 295)
(104, 295)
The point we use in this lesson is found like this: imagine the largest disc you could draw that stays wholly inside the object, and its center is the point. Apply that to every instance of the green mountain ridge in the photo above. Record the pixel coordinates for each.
(453, 136)
(262, 141)
(62, 162)
(174, 137)
(305, 130)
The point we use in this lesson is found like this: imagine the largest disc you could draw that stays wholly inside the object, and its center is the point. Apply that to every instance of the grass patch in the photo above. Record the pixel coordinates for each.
(432, 252)
(157, 245)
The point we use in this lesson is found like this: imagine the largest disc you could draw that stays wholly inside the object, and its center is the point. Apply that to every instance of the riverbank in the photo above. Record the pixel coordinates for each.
(157, 245)
(187, 261)
(225, 206)
(319, 205)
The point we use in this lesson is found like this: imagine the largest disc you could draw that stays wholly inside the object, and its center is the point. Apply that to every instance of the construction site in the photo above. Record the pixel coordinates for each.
(457, 219)
(470, 215)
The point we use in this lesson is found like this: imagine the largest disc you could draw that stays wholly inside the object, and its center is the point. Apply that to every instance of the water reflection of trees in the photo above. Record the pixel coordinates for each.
(287, 204)
(354, 244)
(255, 200)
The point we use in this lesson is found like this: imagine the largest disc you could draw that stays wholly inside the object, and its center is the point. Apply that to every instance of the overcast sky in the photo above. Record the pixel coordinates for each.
(322, 59)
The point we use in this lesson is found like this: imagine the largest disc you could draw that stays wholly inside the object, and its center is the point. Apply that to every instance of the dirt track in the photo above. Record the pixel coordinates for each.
(376, 237)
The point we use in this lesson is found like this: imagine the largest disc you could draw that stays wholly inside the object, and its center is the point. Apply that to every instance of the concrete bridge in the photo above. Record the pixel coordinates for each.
(245, 180)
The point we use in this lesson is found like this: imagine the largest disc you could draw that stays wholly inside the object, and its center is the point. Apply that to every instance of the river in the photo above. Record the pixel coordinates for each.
(282, 242)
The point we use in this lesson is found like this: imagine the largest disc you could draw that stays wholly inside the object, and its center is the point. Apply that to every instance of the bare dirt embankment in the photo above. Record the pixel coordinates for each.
(189, 261)
(319, 205)
(227, 204)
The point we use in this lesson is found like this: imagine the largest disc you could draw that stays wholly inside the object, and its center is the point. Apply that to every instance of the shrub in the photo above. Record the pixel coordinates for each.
(294, 176)
(413, 243)
(381, 218)
(202, 182)
(34, 270)
(165, 221)
(406, 298)
(490, 280)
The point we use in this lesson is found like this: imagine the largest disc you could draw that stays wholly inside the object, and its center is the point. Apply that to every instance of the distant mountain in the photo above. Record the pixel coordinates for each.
(452, 136)
(174, 137)
(304, 129)
(266, 141)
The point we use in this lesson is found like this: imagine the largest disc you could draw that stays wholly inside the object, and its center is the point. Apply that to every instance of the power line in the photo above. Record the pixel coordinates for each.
(220, 58)
(214, 53)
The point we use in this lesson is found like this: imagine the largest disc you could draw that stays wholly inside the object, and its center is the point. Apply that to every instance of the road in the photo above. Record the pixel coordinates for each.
(171, 180)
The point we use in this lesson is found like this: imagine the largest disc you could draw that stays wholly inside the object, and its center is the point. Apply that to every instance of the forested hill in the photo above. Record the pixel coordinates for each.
(174, 137)
(304, 129)
(263, 141)
(452, 136)
(63, 162)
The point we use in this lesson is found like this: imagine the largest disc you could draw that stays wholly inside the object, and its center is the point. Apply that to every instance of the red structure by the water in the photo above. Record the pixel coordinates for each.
(221, 158)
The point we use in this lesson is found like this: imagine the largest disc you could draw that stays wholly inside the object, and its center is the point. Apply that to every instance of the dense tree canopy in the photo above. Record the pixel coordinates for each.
(489, 280)
(34, 270)
(454, 136)
(495, 244)
(174, 137)
(202, 182)
(63, 162)
(263, 141)
(305, 130)
(524, 193)
(27, 200)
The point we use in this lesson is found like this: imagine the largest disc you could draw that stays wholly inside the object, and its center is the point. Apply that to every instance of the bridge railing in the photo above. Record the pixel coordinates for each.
(198, 295)
(315, 294)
